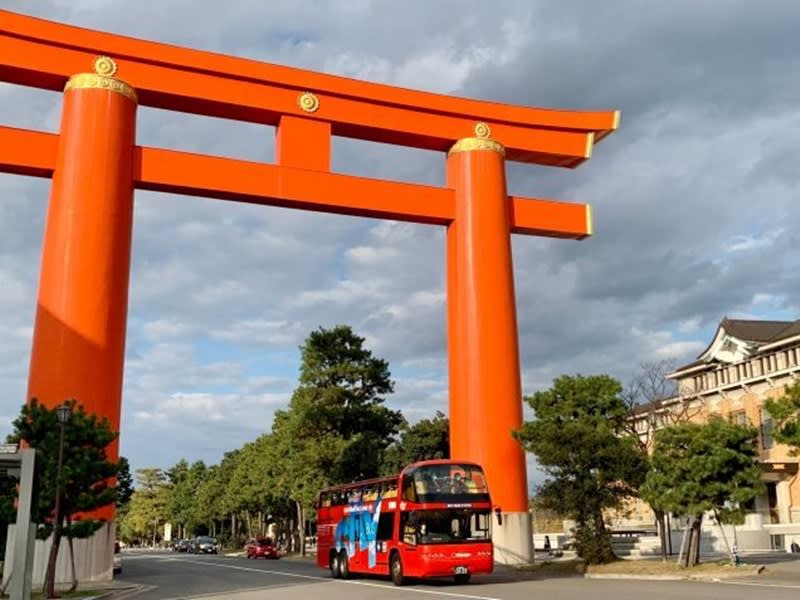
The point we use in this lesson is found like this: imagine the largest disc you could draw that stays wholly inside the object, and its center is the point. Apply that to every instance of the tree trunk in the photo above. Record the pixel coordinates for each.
(683, 554)
(4, 589)
(249, 523)
(724, 537)
(694, 546)
(48, 589)
(233, 530)
(662, 533)
(74, 585)
(301, 528)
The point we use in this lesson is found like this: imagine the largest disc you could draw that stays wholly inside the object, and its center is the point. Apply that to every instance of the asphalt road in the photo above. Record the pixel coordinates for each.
(166, 576)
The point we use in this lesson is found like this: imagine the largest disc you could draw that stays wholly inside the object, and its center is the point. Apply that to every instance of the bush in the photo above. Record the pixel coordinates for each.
(593, 546)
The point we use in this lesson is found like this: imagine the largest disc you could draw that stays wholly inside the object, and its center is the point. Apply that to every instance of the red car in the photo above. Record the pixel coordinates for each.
(261, 548)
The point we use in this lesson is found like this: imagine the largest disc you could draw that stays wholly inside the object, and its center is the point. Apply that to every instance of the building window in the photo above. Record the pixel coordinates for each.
(766, 430)
(739, 417)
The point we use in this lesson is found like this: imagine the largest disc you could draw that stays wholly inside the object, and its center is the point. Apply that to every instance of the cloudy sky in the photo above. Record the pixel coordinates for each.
(693, 200)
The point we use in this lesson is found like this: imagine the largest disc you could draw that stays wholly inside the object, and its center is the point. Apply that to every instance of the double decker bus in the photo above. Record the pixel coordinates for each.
(431, 520)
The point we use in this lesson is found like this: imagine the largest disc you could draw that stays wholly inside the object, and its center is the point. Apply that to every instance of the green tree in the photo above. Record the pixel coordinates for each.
(252, 491)
(181, 506)
(337, 428)
(8, 512)
(124, 482)
(85, 474)
(424, 440)
(703, 467)
(152, 494)
(645, 395)
(211, 507)
(577, 435)
(785, 410)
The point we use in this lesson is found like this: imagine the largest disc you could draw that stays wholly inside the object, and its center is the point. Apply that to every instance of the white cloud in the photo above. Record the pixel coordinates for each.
(690, 325)
(691, 199)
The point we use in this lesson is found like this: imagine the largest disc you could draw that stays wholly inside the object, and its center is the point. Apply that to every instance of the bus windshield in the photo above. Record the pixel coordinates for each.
(452, 526)
(448, 483)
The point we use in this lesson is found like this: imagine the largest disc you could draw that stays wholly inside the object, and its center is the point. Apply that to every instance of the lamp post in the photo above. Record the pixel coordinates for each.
(63, 414)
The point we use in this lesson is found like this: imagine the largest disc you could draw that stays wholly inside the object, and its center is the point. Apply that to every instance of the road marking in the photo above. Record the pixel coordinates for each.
(755, 584)
(343, 581)
(139, 589)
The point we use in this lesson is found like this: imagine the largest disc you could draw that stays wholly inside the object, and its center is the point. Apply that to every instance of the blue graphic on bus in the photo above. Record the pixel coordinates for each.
(359, 524)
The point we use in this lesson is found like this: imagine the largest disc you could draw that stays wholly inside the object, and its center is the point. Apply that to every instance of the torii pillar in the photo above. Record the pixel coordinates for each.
(79, 334)
(485, 390)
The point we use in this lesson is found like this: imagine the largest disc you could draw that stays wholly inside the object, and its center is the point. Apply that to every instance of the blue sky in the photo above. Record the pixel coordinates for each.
(692, 198)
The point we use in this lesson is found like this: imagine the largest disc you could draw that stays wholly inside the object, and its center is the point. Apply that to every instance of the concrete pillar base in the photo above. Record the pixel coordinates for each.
(94, 558)
(513, 540)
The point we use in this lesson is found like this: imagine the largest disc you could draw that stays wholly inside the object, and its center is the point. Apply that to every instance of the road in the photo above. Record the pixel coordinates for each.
(166, 576)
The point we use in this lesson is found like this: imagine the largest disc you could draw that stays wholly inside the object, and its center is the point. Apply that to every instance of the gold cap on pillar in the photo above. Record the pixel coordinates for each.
(482, 141)
(103, 78)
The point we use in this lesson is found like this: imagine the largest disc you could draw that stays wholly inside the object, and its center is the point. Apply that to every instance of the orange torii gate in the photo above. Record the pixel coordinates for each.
(79, 334)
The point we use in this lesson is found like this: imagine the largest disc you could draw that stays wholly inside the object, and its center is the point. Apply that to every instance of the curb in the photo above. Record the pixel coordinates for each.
(711, 577)
(634, 576)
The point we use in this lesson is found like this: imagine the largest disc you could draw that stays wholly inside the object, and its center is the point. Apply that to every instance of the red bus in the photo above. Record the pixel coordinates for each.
(431, 520)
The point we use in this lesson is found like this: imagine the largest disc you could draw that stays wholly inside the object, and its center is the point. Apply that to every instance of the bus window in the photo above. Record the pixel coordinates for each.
(391, 491)
(408, 528)
(408, 490)
(448, 483)
(385, 527)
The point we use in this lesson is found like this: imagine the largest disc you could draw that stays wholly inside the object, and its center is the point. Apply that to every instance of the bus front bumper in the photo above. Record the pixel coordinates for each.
(449, 561)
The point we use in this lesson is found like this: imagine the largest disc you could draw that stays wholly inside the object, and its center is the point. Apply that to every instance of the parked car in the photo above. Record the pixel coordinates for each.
(203, 545)
(261, 548)
(180, 545)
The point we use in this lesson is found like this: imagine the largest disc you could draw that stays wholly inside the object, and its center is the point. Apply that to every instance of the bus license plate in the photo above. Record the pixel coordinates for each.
(461, 570)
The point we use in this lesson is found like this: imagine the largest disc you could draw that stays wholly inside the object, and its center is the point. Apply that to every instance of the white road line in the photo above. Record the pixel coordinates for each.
(755, 584)
(140, 589)
(342, 581)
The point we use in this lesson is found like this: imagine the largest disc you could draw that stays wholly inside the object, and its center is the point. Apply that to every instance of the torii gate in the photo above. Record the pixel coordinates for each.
(79, 333)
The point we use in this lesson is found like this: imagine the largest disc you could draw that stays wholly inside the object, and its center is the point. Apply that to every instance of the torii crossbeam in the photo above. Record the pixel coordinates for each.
(79, 333)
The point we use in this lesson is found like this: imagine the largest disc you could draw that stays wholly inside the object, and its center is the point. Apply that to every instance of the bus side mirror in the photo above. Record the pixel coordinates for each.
(498, 513)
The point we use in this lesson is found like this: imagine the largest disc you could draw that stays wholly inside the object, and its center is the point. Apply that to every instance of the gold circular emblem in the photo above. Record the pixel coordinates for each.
(105, 66)
(308, 102)
(482, 130)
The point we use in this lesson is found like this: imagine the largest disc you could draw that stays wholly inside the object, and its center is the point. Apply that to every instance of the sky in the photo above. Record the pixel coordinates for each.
(693, 200)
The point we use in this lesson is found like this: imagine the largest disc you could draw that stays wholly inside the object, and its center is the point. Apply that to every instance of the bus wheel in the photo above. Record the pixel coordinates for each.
(344, 565)
(462, 579)
(333, 563)
(396, 568)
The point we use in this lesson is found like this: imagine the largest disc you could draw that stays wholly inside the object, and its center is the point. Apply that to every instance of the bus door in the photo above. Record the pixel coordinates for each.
(382, 538)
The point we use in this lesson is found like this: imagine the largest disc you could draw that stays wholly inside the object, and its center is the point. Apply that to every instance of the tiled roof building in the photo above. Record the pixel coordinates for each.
(746, 362)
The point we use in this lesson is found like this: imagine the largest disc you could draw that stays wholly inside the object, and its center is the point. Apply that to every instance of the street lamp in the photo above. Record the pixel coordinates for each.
(63, 414)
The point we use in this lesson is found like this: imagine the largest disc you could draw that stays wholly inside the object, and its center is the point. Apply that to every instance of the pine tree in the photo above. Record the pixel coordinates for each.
(578, 436)
(703, 467)
(85, 474)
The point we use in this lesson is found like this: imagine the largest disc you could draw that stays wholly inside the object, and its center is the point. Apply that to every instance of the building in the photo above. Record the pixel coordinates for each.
(746, 363)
